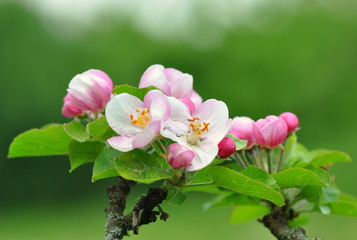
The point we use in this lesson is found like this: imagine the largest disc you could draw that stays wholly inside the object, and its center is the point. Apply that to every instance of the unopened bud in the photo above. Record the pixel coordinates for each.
(226, 147)
(291, 120)
(180, 156)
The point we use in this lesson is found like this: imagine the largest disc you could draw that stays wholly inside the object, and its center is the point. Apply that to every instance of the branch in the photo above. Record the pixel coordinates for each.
(277, 223)
(143, 212)
(117, 194)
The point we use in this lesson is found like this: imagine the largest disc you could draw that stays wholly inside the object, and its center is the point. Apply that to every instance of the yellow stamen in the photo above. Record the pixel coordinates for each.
(197, 129)
(142, 120)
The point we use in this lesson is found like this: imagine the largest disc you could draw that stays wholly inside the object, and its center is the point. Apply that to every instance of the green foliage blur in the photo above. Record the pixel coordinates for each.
(303, 61)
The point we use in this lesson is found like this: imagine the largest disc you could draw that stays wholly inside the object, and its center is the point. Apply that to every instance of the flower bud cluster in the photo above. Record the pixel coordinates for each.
(197, 129)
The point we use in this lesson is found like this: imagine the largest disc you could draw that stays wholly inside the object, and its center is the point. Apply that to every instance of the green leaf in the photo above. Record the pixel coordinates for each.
(323, 174)
(290, 149)
(201, 177)
(238, 182)
(295, 154)
(230, 200)
(344, 208)
(51, 140)
(104, 165)
(299, 221)
(175, 196)
(330, 158)
(247, 213)
(82, 153)
(137, 92)
(240, 144)
(261, 176)
(76, 131)
(202, 188)
(99, 129)
(142, 167)
(312, 192)
(297, 176)
(345, 205)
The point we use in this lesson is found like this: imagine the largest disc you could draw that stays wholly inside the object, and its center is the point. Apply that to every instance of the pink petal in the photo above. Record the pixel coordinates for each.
(121, 143)
(181, 84)
(155, 76)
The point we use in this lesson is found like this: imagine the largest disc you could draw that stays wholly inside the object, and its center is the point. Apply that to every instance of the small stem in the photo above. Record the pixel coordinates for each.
(246, 158)
(258, 157)
(269, 153)
(240, 160)
(282, 150)
(263, 158)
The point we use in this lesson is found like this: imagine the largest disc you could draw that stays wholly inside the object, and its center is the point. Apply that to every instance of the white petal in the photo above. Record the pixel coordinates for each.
(122, 143)
(215, 113)
(118, 112)
(158, 104)
(204, 155)
(177, 124)
(147, 136)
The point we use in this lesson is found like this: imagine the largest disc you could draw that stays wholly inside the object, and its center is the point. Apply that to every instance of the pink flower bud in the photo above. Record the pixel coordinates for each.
(180, 156)
(226, 147)
(291, 120)
(68, 110)
(271, 131)
(242, 128)
(91, 90)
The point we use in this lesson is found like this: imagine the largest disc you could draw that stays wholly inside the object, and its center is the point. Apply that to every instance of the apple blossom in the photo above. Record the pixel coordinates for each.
(91, 90)
(291, 120)
(138, 123)
(180, 155)
(172, 82)
(271, 131)
(200, 132)
(68, 110)
(226, 147)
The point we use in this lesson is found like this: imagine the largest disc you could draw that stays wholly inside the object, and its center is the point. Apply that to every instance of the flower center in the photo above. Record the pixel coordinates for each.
(143, 118)
(197, 129)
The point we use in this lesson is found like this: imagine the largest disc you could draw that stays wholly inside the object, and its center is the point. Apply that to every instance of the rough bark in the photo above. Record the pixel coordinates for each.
(118, 225)
(277, 223)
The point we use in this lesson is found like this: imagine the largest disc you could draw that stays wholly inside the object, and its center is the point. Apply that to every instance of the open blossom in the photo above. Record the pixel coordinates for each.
(291, 120)
(242, 128)
(68, 110)
(226, 147)
(179, 155)
(90, 91)
(138, 123)
(172, 82)
(200, 132)
(271, 131)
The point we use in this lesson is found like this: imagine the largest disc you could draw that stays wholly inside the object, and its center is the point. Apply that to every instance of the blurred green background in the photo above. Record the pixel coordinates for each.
(260, 58)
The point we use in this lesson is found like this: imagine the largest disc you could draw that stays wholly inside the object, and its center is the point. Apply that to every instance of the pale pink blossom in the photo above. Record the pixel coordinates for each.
(242, 128)
(291, 120)
(226, 147)
(271, 132)
(200, 132)
(90, 91)
(138, 123)
(68, 110)
(172, 82)
(180, 155)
